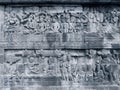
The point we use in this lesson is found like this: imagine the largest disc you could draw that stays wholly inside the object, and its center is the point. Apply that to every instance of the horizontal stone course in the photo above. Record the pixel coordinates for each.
(60, 1)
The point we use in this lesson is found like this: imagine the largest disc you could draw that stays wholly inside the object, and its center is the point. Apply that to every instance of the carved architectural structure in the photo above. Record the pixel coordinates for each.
(60, 47)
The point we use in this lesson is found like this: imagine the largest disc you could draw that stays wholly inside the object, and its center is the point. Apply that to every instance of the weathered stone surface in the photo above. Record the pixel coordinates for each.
(65, 47)
(60, 27)
(60, 1)
(61, 67)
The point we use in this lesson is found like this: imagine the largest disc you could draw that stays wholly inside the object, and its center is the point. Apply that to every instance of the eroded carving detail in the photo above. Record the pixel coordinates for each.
(80, 66)
(35, 20)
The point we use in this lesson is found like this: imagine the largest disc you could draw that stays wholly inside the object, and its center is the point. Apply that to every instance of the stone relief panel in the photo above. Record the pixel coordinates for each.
(37, 20)
(61, 67)
(33, 22)
(61, 45)
(63, 19)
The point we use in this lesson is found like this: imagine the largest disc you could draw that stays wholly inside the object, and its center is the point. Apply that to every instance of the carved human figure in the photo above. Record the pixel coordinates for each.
(42, 26)
(72, 24)
(93, 21)
(65, 67)
(12, 20)
(31, 23)
(10, 69)
(64, 25)
(55, 24)
(11, 64)
(48, 21)
(51, 66)
(98, 73)
(33, 65)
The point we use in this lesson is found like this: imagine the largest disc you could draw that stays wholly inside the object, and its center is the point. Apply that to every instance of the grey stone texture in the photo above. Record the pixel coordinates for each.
(60, 1)
(64, 47)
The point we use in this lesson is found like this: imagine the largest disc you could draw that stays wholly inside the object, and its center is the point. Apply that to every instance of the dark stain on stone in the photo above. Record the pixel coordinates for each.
(115, 46)
(64, 37)
(109, 36)
(51, 38)
(93, 40)
(51, 81)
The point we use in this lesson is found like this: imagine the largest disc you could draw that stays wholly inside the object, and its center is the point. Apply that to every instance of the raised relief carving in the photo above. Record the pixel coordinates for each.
(53, 24)
(38, 20)
(45, 20)
(80, 66)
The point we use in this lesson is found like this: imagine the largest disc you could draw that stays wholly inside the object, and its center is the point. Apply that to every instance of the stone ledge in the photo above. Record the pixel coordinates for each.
(61, 1)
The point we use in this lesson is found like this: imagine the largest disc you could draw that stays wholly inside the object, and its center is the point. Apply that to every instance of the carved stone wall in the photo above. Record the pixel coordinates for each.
(62, 47)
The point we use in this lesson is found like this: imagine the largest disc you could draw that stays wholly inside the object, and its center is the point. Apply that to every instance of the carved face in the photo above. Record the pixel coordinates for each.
(54, 19)
(31, 17)
(31, 59)
(42, 17)
(48, 18)
(73, 19)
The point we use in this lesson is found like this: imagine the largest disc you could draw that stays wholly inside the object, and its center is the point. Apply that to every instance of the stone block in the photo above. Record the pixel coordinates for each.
(62, 1)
